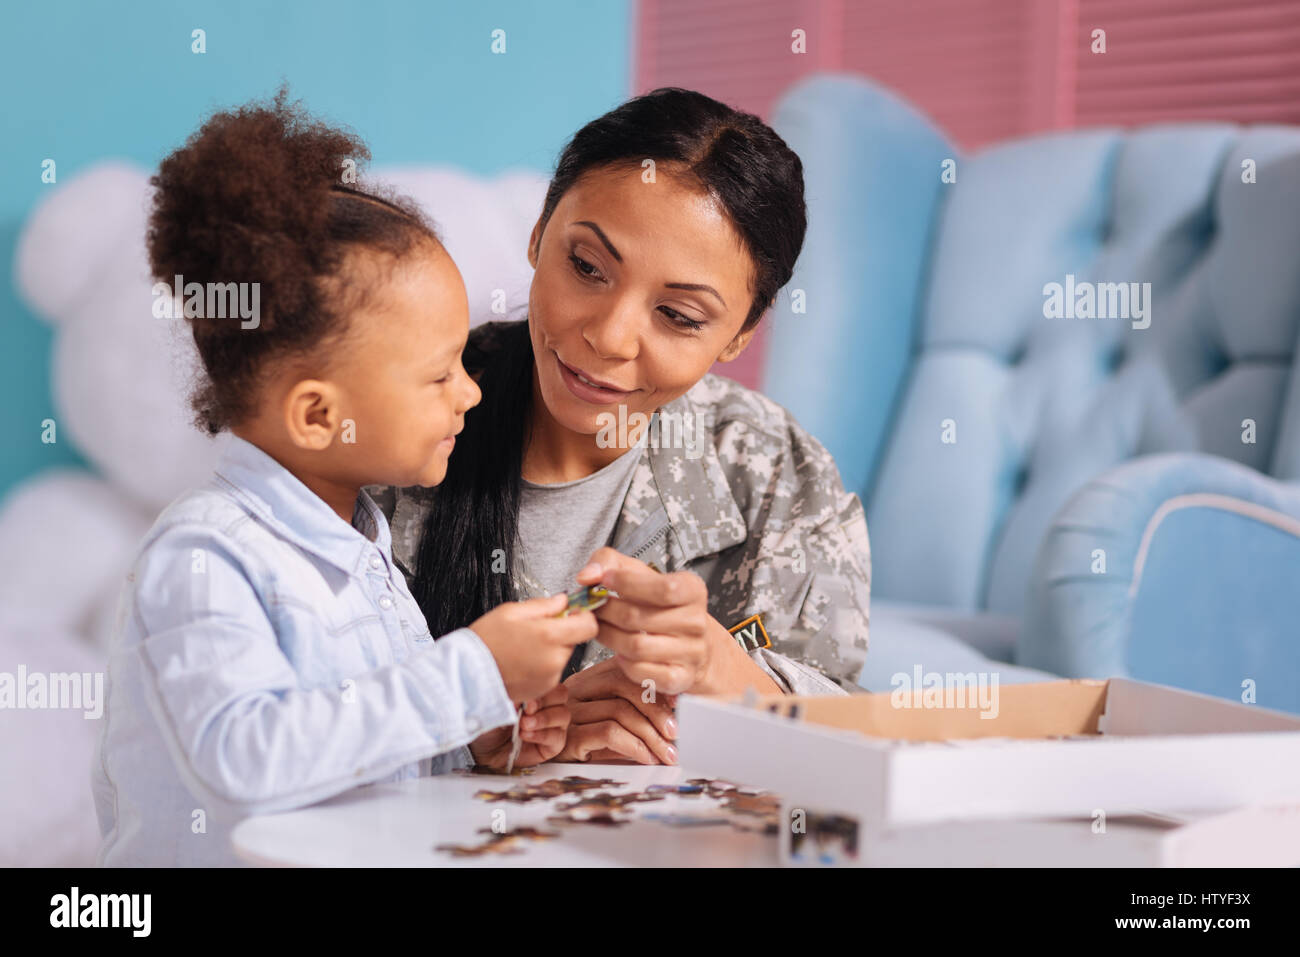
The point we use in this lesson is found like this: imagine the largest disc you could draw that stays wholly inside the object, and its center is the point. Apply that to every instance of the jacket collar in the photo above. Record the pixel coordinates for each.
(685, 488)
(283, 502)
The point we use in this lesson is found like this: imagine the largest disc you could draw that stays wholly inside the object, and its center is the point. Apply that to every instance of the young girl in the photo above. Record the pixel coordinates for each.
(268, 655)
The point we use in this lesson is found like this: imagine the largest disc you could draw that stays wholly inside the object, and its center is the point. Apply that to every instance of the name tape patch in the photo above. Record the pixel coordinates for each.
(750, 633)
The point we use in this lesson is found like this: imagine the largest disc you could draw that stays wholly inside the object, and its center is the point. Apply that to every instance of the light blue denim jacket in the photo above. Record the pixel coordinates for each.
(267, 656)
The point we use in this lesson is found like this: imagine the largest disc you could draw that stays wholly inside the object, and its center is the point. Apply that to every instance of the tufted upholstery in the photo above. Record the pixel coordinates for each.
(1038, 406)
(1199, 590)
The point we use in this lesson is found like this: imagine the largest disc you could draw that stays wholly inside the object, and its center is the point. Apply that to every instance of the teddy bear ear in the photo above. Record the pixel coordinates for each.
(484, 223)
(78, 234)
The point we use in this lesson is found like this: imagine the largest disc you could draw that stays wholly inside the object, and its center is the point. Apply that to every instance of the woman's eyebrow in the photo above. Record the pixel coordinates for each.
(699, 287)
(603, 238)
(690, 286)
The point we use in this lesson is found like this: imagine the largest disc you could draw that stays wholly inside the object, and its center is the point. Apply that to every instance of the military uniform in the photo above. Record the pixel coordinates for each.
(757, 509)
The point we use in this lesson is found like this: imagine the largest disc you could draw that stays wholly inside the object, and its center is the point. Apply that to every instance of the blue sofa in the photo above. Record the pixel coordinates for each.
(1061, 372)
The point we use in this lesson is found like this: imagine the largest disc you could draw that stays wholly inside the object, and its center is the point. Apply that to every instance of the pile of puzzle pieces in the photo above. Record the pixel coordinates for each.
(742, 808)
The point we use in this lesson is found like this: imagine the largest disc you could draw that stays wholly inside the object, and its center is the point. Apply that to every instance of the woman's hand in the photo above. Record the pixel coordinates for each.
(665, 643)
(662, 634)
(614, 718)
(542, 731)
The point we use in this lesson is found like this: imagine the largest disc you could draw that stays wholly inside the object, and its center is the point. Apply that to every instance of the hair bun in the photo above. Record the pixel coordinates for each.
(246, 200)
(254, 204)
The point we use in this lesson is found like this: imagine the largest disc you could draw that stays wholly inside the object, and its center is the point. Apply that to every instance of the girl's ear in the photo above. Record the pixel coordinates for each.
(312, 414)
(737, 345)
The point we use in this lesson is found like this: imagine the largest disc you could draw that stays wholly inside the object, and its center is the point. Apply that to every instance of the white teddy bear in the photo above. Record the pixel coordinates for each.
(121, 382)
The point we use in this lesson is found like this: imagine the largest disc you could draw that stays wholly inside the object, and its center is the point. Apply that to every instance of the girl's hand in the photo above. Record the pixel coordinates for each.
(614, 718)
(542, 731)
(661, 632)
(530, 645)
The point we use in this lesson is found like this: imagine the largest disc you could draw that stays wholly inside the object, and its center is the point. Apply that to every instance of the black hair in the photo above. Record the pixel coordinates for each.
(466, 556)
(256, 195)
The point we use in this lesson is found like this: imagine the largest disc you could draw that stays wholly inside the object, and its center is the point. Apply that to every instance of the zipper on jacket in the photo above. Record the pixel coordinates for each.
(645, 546)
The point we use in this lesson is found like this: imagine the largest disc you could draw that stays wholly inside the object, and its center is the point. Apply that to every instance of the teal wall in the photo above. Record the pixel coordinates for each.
(88, 80)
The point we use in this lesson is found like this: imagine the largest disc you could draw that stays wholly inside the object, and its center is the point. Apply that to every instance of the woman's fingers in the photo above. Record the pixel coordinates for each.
(634, 617)
(658, 624)
(608, 558)
(656, 738)
(606, 681)
(604, 754)
(663, 663)
(586, 739)
(597, 681)
(602, 680)
(643, 646)
(666, 679)
(640, 584)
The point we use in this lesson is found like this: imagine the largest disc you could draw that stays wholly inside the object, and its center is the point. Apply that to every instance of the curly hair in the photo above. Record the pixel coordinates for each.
(257, 195)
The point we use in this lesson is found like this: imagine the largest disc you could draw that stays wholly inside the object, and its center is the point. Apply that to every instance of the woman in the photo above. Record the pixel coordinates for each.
(602, 451)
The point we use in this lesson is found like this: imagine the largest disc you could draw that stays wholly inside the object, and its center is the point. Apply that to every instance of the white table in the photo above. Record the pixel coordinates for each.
(398, 825)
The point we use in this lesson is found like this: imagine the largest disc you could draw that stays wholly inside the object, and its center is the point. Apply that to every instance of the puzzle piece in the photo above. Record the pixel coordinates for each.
(585, 598)
(505, 842)
(599, 818)
(611, 802)
(756, 804)
(685, 790)
(687, 820)
(494, 772)
(544, 790)
(744, 809)
(714, 788)
(600, 808)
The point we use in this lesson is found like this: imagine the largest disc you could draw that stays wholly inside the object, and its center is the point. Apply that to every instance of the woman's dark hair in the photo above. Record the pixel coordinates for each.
(257, 195)
(467, 550)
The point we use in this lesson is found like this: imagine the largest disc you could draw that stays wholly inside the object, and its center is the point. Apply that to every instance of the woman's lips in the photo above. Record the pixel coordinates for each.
(588, 391)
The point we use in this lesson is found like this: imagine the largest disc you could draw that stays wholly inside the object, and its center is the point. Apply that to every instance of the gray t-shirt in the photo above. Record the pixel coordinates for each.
(561, 525)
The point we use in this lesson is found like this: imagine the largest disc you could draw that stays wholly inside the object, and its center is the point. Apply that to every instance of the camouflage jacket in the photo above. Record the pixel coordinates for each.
(731, 488)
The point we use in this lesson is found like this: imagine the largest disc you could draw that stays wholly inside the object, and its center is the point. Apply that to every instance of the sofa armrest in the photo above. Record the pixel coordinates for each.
(902, 644)
(1182, 569)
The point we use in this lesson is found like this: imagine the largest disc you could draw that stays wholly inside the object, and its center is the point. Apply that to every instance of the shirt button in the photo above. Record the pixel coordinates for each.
(385, 602)
(471, 725)
(376, 561)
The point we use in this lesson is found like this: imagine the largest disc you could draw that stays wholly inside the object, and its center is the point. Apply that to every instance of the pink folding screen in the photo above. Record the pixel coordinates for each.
(1235, 60)
(988, 70)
